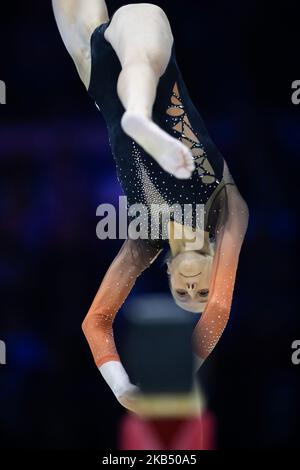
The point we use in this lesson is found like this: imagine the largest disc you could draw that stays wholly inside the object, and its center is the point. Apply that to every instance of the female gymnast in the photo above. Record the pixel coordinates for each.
(164, 156)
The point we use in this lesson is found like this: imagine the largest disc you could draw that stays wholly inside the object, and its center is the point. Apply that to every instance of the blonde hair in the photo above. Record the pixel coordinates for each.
(180, 235)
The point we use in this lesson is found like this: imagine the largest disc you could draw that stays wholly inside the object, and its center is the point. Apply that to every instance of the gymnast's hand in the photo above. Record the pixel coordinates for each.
(129, 399)
(116, 377)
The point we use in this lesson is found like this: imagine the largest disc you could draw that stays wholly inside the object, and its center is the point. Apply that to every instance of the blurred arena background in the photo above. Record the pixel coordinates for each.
(239, 60)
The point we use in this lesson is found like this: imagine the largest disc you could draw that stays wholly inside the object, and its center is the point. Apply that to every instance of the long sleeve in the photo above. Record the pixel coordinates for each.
(230, 233)
(133, 258)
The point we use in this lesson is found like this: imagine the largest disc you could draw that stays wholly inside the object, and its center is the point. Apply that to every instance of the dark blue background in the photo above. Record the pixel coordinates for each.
(238, 60)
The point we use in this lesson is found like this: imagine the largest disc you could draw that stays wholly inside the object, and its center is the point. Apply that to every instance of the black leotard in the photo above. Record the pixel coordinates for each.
(142, 179)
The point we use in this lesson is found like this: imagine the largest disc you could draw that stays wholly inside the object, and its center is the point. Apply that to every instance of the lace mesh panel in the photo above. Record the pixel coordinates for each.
(183, 127)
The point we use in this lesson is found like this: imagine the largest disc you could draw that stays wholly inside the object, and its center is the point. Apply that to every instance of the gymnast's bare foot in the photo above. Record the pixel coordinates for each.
(171, 154)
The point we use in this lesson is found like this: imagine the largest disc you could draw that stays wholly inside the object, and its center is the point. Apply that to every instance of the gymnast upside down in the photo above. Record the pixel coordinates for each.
(163, 155)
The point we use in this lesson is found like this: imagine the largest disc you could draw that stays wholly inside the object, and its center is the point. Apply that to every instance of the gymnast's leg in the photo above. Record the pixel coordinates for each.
(142, 38)
(76, 20)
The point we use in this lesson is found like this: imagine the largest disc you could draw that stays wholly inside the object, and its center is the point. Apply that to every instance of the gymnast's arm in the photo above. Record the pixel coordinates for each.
(133, 258)
(229, 240)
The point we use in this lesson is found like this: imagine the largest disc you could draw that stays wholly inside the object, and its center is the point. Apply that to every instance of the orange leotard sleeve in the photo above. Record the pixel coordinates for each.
(229, 239)
(133, 258)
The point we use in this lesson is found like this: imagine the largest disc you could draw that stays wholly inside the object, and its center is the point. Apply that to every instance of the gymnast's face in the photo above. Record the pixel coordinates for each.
(190, 274)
